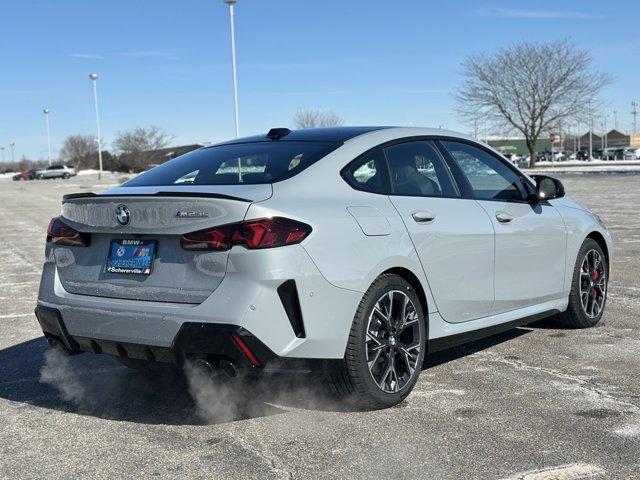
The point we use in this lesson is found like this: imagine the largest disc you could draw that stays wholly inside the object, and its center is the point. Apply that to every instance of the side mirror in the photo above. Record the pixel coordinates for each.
(548, 188)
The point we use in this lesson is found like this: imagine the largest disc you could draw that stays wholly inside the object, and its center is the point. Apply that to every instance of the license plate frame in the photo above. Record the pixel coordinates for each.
(124, 251)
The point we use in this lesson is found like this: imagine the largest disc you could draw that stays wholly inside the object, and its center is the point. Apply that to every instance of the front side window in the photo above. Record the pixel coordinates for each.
(417, 169)
(236, 164)
(489, 177)
(369, 173)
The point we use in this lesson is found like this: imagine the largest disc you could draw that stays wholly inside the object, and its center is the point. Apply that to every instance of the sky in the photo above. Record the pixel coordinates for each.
(167, 63)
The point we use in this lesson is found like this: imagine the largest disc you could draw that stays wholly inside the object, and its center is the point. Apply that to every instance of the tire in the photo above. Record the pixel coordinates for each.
(39, 177)
(65, 176)
(587, 286)
(372, 336)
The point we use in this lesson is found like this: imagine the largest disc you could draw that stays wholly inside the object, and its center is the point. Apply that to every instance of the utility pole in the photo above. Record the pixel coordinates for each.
(579, 136)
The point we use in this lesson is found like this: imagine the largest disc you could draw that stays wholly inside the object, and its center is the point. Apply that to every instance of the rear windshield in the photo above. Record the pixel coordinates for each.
(243, 163)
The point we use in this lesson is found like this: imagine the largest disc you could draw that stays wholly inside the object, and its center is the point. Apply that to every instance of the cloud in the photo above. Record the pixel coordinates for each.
(536, 14)
(333, 62)
(386, 90)
(88, 56)
(147, 54)
(162, 54)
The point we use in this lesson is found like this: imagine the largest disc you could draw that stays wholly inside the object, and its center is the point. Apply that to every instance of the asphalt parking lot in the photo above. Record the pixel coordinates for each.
(534, 403)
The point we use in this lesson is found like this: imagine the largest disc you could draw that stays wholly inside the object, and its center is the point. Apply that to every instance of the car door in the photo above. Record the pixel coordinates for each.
(530, 238)
(453, 236)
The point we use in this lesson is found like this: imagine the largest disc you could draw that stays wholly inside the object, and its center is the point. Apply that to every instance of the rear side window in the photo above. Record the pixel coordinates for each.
(243, 163)
(368, 173)
(418, 170)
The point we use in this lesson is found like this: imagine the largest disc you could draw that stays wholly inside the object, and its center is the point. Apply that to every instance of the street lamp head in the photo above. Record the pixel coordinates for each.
(93, 76)
(45, 111)
(229, 2)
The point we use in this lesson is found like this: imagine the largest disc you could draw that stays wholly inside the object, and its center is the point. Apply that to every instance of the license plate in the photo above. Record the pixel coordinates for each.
(131, 256)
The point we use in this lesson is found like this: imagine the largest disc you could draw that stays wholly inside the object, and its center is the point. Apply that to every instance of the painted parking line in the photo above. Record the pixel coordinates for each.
(17, 315)
(576, 471)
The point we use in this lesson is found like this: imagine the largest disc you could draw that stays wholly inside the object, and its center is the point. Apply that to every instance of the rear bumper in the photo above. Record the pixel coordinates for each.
(216, 342)
(254, 296)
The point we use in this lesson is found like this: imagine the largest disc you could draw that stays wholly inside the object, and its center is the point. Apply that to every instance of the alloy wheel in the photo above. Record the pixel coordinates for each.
(393, 341)
(593, 283)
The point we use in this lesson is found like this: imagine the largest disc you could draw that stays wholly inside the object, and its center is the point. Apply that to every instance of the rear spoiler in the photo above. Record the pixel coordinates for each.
(73, 196)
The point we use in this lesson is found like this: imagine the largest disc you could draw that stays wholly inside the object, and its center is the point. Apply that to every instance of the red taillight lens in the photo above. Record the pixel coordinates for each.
(60, 233)
(270, 232)
(218, 238)
(252, 234)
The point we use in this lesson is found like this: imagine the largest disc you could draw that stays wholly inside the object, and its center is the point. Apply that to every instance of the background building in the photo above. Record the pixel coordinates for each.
(518, 146)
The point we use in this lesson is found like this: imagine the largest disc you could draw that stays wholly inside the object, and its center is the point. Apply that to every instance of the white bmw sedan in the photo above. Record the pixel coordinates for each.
(353, 252)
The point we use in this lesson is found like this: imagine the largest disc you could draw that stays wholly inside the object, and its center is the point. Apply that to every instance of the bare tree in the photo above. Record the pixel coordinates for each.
(140, 145)
(528, 88)
(306, 118)
(80, 150)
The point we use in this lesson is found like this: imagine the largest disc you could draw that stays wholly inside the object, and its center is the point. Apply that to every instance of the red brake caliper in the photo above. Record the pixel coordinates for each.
(594, 277)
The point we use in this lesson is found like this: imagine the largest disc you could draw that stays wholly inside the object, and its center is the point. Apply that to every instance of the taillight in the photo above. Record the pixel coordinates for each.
(60, 233)
(218, 238)
(252, 234)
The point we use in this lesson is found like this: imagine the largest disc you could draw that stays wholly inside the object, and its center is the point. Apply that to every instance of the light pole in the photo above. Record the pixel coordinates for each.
(591, 129)
(231, 3)
(634, 112)
(13, 158)
(94, 77)
(46, 112)
(615, 120)
(2, 150)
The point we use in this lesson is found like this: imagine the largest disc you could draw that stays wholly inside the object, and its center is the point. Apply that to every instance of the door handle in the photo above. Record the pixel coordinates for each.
(504, 217)
(423, 216)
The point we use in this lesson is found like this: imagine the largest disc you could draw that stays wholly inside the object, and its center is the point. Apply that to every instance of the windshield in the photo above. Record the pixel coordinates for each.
(243, 163)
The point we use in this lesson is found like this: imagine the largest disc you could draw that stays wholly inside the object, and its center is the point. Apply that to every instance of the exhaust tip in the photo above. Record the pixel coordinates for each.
(228, 368)
(204, 366)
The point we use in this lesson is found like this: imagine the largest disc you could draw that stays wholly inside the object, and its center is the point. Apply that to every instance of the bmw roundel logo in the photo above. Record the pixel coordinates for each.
(123, 215)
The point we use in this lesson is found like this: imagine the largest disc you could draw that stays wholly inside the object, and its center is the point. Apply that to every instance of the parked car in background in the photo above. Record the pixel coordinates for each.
(631, 153)
(609, 154)
(618, 154)
(562, 155)
(515, 159)
(28, 175)
(582, 154)
(55, 171)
